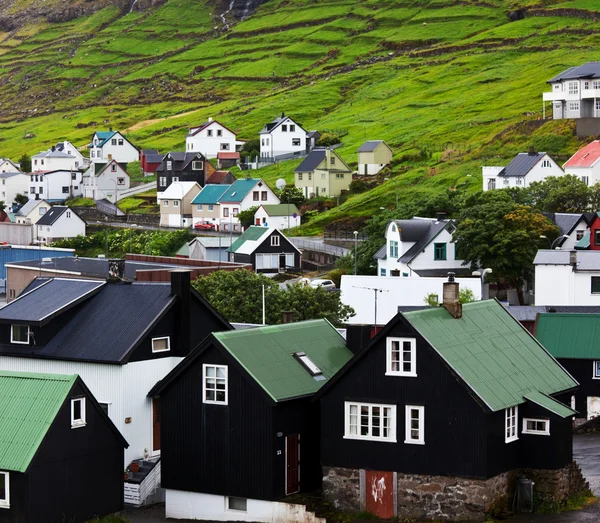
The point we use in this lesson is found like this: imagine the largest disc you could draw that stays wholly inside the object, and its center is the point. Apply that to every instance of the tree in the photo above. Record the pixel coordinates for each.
(250, 148)
(25, 163)
(21, 199)
(503, 236)
(237, 295)
(291, 194)
(464, 296)
(246, 217)
(2, 206)
(560, 194)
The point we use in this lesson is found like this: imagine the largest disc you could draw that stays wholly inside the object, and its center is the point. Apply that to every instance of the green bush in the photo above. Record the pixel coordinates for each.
(328, 139)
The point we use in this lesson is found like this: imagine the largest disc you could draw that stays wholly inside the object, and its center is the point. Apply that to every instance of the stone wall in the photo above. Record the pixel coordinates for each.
(422, 497)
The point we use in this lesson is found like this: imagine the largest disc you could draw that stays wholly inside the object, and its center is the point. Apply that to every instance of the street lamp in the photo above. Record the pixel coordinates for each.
(555, 240)
(396, 184)
(355, 253)
(481, 274)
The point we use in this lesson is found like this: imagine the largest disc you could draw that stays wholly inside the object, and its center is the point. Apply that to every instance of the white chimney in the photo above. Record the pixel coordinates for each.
(210, 119)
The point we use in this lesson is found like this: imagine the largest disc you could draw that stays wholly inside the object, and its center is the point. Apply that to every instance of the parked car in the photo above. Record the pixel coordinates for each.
(326, 284)
(205, 226)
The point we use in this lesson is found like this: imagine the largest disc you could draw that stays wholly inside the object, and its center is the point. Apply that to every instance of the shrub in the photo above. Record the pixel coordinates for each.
(328, 139)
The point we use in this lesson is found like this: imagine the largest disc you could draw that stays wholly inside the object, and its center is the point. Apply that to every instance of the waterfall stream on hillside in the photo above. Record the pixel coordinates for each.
(132, 5)
(223, 15)
(247, 7)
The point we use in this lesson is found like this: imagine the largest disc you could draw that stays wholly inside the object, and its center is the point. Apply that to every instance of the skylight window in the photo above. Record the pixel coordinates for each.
(309, 365)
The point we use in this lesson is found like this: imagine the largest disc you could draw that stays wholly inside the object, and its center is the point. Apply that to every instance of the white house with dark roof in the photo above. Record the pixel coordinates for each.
(8, 166)
(575, 93)
(522, 171)
(59, 222)
(112, 145)
(210, 138)
(419, 247)
(282, 136)
(105, 180)
(373, 155)
(11, 184)
(573, 228)
(62, 156)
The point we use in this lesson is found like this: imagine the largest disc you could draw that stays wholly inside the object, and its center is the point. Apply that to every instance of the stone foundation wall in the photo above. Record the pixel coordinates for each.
(423, 497)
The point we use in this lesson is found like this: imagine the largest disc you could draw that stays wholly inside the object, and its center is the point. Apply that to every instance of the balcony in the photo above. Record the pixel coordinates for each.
(590, 93)
(554, 96)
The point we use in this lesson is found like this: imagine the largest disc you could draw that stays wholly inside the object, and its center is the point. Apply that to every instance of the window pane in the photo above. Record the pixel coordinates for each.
(210, 371)
(3, 486)
(77, 410)
(364, 421)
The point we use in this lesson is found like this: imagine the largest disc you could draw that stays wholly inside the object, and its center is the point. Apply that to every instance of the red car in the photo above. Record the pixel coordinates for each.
(206, 226)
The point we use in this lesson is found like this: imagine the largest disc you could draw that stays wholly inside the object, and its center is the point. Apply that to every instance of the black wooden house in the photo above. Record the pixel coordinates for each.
(239, 431)
(267, 249)
(182, 167)
(448, 392)
(61, 458)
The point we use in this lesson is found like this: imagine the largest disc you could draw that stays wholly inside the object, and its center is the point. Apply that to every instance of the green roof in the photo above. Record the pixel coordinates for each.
(267, 354)
(251, 234)
(490, 350)
(570, 336)
(184, 250)
(558, 408)
(28, 405)
(584, 243)
(281, 209)
(210, 194)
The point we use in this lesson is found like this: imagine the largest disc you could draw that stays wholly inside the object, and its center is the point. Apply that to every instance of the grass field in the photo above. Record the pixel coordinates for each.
(462, 81)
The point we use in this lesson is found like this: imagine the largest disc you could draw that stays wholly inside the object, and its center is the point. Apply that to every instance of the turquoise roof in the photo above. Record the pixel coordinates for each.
(103, 136)
(239, 189)
(210, 194)
(584, 243)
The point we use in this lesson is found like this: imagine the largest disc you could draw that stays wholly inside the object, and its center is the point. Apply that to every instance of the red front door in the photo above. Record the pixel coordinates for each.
(292, 464)
(156, 424)
(379, 491)
(257, 221)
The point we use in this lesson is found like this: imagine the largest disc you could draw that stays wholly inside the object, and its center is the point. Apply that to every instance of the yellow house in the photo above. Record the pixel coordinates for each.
(373, 156)
(176, 204)
(323, 173)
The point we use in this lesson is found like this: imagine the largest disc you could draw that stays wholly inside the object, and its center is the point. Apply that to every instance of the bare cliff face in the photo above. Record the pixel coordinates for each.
(13, 17)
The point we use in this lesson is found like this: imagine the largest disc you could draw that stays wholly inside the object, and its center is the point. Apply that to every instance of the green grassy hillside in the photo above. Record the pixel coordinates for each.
(457, 79)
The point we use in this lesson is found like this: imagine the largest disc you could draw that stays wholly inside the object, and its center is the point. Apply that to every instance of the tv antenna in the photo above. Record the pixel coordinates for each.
(375, 290)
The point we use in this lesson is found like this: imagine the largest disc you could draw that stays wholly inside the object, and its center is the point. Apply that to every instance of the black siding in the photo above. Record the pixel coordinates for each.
(285, 246)
(77, 473)
(455, 423)
(582, 371)
(217, 449)
(17, 513)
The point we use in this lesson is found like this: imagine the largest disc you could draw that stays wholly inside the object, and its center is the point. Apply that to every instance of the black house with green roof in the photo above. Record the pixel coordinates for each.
(438, 396)
(239, 430)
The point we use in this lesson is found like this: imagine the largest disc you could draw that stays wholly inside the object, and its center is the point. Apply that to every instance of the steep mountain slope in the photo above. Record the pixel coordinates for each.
(454, 78)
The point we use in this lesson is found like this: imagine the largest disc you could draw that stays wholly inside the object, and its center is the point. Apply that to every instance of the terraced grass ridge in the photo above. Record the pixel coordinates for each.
(454, 79)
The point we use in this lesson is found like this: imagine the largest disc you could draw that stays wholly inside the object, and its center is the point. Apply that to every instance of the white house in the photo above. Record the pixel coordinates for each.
(359, 293)
(585, 163)
(574, 229)
(281, 216)
(522, 171)
(176, 204)
(373, 155)
(55, 186)
(575, 93)
(567, 277)
(112, 145)
(63, 155)
(211, 138)
(59, 222)
(419, 247)
(105, 181)
(11, 184)
(8, 166)
(30, 213)
(282, 136)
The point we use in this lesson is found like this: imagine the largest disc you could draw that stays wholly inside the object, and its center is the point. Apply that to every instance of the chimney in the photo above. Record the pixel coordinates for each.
(287, 316)
(116, 270)
(451, 302)
(573, 258)
(110, 129)
(283, 115)
(210, 119)
(180, 287)
(440, 215)
(53, 148)
(531, 150)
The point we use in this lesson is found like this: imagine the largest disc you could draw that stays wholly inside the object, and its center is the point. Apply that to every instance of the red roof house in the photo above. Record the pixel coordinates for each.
(585, 163)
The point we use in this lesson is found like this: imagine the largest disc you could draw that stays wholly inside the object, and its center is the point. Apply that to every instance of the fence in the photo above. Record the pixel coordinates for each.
(316, 246)
(344, 235)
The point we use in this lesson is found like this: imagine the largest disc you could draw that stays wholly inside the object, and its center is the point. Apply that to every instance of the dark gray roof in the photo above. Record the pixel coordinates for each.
(48, 299)
(429, 234)
(149, 151)
(587, 70)
(414, 229)
(51, 215)
(586, 260)
(28, 207)
(529, 313)
(442, 272)
(154, 158)
(381, 254)
(312, 161)
(310, 134)
(551, 257)
(106, 327)
(565, 222)
(94, 267)
(179, 160)
(521, 164)
(369, 146)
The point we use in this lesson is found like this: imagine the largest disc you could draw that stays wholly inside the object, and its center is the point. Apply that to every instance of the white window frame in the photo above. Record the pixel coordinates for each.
(5, 501)
(573, 87)
(511, 423)
(197, 165)
(205, 367)
(574, 106)
(389, 352)
(391, 438)
(408, 437)
(12, 339)
(168, 338)
(596, 370)
(546, 163)
(81, 422)
(275, 241)
(175, 203)
(544, 432)
(393, 249)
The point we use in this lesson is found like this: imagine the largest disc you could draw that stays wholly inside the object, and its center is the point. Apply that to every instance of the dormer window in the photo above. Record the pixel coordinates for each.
(19, 334)
(401, 357)
(393, 249)
(78, 413)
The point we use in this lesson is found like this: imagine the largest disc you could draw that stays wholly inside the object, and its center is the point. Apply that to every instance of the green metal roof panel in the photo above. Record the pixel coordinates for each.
(492, 353)
(210, 194)
(281, 209)
(238, 190)
(584, 243)
(558, 408)
(252, 233)
(267, 354)
(28, 405)
(570, 336)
